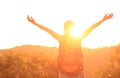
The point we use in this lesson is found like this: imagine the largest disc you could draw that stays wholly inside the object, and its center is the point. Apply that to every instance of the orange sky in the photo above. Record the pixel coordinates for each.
(15, 30)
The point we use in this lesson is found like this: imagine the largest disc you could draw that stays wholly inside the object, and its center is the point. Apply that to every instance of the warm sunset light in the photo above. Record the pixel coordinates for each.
(76, 31)
(15, 30)
(91, 41)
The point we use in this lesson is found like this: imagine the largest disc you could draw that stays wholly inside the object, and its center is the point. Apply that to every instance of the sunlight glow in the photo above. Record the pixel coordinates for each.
(93, 40)
(87, 42)
(16, 30)
(76, 31)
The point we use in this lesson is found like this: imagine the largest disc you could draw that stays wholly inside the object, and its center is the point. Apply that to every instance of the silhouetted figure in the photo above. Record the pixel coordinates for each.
(70, 58)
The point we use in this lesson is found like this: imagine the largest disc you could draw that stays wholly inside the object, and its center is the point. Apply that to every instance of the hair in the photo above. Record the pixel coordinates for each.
(67, 25)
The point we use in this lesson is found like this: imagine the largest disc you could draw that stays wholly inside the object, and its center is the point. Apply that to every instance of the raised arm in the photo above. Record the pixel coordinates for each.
(87, 31)
(52, 33)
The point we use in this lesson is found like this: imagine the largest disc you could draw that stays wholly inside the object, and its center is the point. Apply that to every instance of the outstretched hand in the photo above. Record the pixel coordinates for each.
(30, 19)
(108, 16)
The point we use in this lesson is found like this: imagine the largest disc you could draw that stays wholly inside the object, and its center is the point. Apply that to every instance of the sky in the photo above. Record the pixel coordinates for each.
(15, 30)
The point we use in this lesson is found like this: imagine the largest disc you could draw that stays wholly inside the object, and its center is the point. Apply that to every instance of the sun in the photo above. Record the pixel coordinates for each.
(76, 31)
(91, 41)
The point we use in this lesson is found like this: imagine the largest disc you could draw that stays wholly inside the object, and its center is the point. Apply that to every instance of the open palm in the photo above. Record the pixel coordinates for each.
(30, 19)
(108, 16)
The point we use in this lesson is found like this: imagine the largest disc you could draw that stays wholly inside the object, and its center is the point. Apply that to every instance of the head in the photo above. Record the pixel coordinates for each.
(67, 26)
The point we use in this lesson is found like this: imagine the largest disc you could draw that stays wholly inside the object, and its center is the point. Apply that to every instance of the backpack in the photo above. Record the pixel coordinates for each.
(70, 56)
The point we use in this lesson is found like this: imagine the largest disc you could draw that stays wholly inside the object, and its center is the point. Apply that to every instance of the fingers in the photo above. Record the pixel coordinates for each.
(111, 15)
(108, 16)
(30, 19)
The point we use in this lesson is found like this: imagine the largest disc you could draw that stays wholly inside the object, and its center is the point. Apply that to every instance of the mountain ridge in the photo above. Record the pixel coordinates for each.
(93, 58)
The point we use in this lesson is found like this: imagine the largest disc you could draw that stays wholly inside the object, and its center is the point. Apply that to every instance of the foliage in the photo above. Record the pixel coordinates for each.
(112, 69)
(22, 65)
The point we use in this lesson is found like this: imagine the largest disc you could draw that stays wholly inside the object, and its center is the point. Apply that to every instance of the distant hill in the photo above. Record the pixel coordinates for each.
(92, 57)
